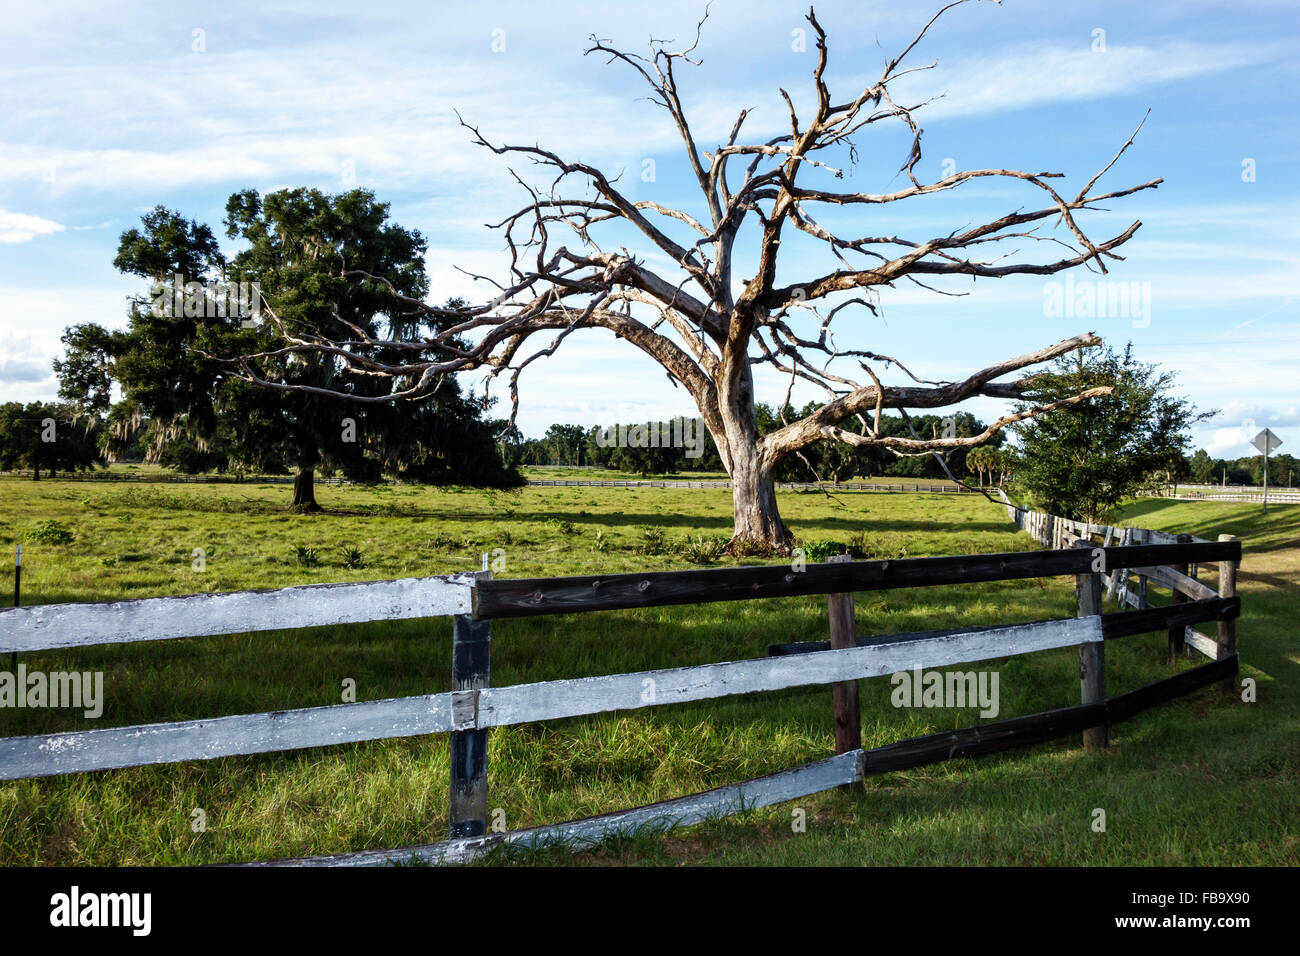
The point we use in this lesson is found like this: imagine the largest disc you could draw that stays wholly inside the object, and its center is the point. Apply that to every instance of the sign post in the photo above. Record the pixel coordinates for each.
(1267, 443)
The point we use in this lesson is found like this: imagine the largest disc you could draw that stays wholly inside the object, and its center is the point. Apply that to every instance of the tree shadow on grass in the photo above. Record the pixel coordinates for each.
(721, 523)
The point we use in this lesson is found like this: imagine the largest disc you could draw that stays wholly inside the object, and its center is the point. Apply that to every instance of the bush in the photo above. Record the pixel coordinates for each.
(822, 549)
(50, 532)
(307, 557)
(652, 541)
(701, 549)
(748, 548)
(352, 558)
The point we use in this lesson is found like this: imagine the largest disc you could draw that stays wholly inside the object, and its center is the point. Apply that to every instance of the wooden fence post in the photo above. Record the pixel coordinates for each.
(1227, 629)
(471, 650)
(1092, 656)
(1141, 537)
(844, 694)
(1117, 587)
(1178, 635)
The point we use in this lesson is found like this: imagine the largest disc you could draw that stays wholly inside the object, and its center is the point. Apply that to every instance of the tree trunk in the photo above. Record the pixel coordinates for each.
(304, 490)
(36, 471)
(758, 527)
(758, 524)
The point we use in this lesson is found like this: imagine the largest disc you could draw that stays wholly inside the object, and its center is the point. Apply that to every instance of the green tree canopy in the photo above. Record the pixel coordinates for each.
(296, 246)
(1082, 462)
(40, 436)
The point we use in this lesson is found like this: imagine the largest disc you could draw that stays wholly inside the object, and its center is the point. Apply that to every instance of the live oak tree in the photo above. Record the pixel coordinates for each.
(299, 241)
(296, 243)
(302, 246)
(724, 307)
(1084, 463)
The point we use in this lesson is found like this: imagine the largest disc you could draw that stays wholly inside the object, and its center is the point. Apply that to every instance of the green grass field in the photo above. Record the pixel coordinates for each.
(1200, 781)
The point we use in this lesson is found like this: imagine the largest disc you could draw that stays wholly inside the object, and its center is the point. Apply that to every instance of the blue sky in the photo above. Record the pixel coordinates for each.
(109, 109)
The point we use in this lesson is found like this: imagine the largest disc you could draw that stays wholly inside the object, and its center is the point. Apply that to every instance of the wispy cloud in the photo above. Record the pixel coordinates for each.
(19, 227)
(1036, 75)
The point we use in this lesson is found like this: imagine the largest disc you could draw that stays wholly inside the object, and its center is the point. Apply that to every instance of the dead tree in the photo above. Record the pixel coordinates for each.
(705, 328)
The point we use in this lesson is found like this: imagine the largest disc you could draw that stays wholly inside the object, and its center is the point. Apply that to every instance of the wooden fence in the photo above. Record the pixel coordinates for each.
(473, 706)
(1129, 586)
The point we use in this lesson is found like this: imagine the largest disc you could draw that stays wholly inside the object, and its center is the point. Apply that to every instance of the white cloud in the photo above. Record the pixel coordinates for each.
(18, 227)
(1034, 76)
(1228, 442)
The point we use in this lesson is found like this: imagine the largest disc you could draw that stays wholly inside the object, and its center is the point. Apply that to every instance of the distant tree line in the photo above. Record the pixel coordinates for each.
(1283, 469)
(591, 446)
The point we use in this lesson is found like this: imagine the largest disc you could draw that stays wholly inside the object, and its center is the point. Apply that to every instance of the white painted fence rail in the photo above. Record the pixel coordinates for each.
(753, 794)
(114, 748)
(49, 626)
(118, 747)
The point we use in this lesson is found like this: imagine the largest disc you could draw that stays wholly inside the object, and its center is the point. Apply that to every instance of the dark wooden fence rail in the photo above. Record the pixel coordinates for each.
(473, 707)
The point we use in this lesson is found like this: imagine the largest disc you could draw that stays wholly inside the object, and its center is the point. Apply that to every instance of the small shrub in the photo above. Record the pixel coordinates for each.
(600, 542)
(747, 548)
(108, 562)
(352, 557)
(50, 532)
(701, 549)
(821, 549)
(652, 541)
(307, 557)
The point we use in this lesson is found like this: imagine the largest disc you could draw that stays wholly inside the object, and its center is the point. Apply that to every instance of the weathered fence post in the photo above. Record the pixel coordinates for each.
(1092, 656)
(471, 651)
(1140, 536)
(1228, 628)
(844, 694)
(1117, 585)
(1178, 634)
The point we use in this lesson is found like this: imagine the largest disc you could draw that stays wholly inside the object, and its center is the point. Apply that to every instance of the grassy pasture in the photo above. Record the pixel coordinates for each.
(1197, 782)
